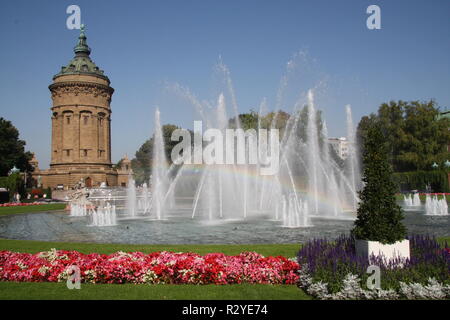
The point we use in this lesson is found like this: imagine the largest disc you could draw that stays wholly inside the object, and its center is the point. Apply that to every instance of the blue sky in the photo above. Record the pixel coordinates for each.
(145, 45)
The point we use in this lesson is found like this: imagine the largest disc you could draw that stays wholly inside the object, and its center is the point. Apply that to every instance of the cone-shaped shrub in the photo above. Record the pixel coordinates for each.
(379, 218)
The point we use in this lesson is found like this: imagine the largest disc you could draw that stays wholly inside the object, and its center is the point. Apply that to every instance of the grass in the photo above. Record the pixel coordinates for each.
(30, 209)
(51, 291)
(287, 250)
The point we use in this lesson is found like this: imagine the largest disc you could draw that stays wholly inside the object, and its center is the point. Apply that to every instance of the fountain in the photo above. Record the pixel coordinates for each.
(352, 159)
(144, 201)
(160, 175)
(131, 197)
(294, 212)
(407, 200)
(103, 215)
(435, 206)
(411, 200)
(307, 174)
(416, 200)
(309, 183)
(78, 209)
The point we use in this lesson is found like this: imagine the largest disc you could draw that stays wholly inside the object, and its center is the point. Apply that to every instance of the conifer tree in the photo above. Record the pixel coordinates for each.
(379, 217)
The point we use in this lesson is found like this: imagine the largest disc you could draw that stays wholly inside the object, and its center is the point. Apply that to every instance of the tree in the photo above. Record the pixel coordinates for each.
(13, 183)
(142, 163)
(427, 140)
(12, 151)
(272, 120)
(415, 135)
(364, 125)
(246, 120)
(379, 218)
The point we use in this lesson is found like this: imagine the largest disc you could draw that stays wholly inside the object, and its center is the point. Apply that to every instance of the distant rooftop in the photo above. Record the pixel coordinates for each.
(341, 138)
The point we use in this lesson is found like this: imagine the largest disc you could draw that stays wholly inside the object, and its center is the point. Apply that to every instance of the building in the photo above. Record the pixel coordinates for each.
(81, 127)
(341, 146)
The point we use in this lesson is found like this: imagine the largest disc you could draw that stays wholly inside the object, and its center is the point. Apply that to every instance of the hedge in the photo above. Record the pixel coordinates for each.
(437, 179)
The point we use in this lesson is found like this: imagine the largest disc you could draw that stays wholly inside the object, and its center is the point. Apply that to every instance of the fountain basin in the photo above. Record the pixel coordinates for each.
(180, 228)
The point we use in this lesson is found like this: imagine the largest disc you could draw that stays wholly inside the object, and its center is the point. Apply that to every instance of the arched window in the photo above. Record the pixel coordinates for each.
(101, 118)
(68, 115)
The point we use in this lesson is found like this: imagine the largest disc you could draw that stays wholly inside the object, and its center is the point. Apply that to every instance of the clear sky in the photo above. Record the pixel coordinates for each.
(145, 45)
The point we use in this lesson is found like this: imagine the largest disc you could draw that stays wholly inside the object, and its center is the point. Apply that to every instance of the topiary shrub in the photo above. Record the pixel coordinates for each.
(379, 218)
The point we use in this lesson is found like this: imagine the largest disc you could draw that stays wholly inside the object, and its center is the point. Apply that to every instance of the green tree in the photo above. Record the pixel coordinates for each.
(13, 183)
(142, 163)
(379, 218)
(427, 140)
(12, 151)
(247, 121)
(416, 135)
(277, 120)
(364, 124)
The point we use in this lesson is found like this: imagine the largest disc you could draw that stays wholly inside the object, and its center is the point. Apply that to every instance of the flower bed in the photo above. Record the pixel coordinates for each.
(331, 270)
(154, 268)
(20, 204)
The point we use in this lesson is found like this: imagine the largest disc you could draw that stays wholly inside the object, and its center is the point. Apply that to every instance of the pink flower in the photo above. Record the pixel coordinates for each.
(155, 267)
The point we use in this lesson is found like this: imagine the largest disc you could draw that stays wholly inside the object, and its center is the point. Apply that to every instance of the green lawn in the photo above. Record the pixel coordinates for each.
(287, 250)
(47, 290)
(29, 209)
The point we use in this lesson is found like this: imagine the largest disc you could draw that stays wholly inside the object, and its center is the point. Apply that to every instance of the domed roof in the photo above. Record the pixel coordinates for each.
(82, 63)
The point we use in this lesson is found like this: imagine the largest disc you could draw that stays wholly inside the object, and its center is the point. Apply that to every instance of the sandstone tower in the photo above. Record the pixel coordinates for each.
(81, 125)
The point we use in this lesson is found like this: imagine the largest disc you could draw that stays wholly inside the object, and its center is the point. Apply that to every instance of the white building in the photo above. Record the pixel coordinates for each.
(341, 146)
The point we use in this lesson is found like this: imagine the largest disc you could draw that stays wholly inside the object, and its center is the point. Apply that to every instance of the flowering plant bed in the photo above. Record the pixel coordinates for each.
(332, 270)
(154, 268)
(21, 204)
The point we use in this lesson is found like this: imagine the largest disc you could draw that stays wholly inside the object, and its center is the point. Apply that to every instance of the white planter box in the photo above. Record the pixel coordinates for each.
(366, 248)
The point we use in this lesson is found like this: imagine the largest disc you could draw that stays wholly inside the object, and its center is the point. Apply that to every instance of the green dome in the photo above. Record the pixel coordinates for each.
(82, 63)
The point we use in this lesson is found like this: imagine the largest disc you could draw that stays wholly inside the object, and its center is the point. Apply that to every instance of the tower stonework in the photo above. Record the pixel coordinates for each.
(81, 124)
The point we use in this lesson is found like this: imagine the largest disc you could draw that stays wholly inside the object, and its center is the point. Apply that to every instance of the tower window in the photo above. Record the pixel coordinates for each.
(85, 120)
(68, 153)
(85, 152)
(100, 121)
(68, 120)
